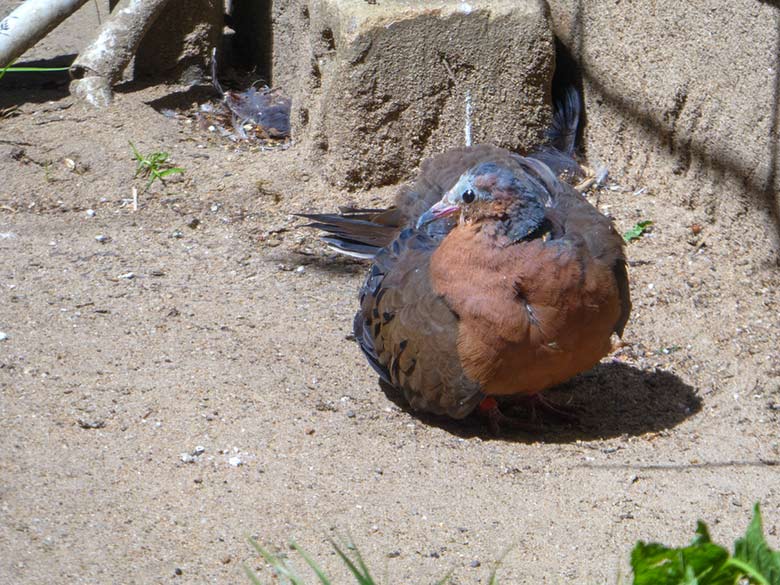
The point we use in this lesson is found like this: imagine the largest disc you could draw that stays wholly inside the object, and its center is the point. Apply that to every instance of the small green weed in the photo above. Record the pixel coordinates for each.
(704, 563)
(637, 231)
(700, 563)
(153, 166)
(354, 562)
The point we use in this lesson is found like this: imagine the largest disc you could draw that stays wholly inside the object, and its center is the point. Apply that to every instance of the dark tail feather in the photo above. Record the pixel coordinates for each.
(360, 233)
(558, 153)
(566, 119)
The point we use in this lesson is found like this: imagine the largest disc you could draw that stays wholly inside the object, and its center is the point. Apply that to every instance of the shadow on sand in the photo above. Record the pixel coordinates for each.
(611, 400)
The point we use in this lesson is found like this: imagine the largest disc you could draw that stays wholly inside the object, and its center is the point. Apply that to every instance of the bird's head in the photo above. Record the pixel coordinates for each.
(490, 192)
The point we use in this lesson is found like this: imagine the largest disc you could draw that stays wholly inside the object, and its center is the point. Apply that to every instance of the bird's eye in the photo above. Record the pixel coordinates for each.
(468, 196)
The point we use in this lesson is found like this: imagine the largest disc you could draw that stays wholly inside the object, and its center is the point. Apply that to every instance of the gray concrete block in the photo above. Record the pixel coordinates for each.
(683, 98)
(376, 88)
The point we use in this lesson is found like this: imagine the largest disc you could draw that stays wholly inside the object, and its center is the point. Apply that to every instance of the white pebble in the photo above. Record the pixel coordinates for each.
(127, 276)
(3, 336)
(90, 213)
(187, 458)
(235, 461)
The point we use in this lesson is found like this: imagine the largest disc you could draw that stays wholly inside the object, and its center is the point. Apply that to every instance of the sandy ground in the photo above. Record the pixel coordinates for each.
(206, 320)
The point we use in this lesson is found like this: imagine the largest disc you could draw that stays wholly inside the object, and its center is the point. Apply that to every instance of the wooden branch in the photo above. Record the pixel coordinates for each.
(29, 23)
(100, 65)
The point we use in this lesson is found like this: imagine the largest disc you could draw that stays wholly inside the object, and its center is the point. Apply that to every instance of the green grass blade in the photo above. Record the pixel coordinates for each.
(136, 154)
(280, 567)
(252, 577)
(6, 68)
(492, 580)
(314, 566)
(166, 172)
(446, 578)
(10, 69)
(363, 577)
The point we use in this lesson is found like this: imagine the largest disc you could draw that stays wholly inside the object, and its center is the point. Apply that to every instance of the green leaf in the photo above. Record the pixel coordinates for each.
(753, 556)
(637, 231)
(700, 563)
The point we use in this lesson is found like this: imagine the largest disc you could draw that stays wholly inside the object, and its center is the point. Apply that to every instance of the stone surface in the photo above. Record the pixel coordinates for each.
(378, 87)
(682, 97)
(178, 45)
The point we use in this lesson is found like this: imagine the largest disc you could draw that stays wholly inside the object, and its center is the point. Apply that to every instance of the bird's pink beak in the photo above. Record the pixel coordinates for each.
(441, 209)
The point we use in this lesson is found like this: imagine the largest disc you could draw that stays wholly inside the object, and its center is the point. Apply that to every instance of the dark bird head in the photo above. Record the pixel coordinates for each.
(490, 192)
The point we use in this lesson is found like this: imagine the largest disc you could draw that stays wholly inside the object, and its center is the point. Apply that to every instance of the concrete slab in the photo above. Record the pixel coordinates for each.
(377, 87)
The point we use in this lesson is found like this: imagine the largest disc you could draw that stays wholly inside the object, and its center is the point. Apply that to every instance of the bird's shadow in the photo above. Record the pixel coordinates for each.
(336, 264)
(613, 399)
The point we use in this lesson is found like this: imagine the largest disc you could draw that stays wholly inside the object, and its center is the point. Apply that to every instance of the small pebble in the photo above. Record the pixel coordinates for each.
(102, 239)
(90, 213)
(350, 414)
(3, 336)
(187, 458)
(394, 554)
(235, 461)
(178, 571)
(199, 450)
(300, 269)
(177, 234)
(127, 275)
(475, 564)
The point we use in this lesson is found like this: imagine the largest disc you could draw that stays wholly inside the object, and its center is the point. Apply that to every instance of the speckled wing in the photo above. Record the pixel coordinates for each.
(409, 334)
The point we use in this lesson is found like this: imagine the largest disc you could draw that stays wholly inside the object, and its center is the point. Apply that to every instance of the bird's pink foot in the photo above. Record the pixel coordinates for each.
(497, 420)
(560, 412)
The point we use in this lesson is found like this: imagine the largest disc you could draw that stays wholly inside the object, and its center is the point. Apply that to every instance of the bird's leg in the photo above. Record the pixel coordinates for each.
(496, 419)
(557, 411)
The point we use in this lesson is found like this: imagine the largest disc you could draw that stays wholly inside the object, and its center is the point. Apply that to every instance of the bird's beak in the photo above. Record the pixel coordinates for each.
(442, 209)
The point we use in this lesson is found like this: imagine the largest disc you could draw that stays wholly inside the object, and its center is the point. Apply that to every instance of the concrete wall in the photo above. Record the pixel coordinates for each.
(682, 96)
(378, 87)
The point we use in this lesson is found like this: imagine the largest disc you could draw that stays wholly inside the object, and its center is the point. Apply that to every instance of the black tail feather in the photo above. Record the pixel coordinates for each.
(562, 135)
(356, 232)
(558, 153)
